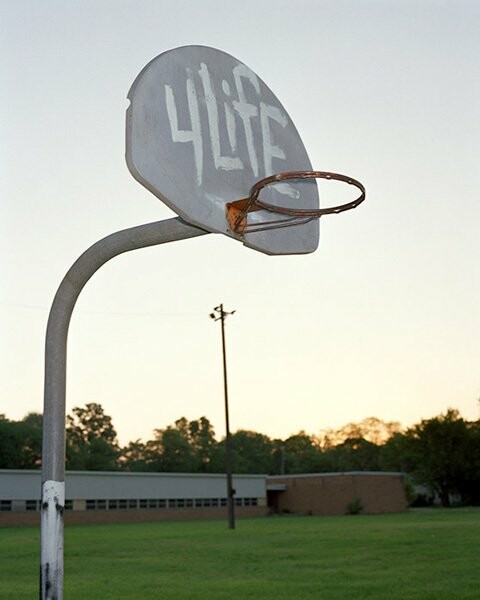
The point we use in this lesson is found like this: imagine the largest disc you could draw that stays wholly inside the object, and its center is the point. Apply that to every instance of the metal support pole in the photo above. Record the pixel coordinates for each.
(228, 437)
(53, 452)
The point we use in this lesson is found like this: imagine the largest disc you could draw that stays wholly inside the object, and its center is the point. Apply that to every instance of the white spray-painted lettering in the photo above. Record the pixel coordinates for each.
(181, 135)
(235, 107)
(229, 118)
(221, 162)
(246, 110)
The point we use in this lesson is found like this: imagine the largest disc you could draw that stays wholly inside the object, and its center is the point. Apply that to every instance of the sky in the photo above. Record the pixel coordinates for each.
(382, 320)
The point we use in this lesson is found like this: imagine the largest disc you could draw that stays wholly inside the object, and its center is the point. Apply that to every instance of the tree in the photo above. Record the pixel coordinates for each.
(21, 442)
(203, 442)
(442, 453)
(370, 429)
(91, 440)
(31, 431)
(171, 450)
(396, 454)
(354, 454)
(252, 453)
(136, 457)
(469, 485)
(10, 444)
(302, 454)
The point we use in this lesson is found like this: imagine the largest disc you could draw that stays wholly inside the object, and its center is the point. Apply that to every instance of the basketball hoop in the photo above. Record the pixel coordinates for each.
(238, 211)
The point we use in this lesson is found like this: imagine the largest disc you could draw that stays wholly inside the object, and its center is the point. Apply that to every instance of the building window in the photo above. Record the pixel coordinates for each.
(31, 504)
(133, 504)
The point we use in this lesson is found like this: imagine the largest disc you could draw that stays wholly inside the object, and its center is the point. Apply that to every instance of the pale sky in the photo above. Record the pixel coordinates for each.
(383, 320)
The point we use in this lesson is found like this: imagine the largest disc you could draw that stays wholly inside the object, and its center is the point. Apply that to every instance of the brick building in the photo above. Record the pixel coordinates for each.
(94, 497)
(337, 493)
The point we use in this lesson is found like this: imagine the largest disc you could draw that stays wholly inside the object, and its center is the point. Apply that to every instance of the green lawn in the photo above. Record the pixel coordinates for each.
(424, 554)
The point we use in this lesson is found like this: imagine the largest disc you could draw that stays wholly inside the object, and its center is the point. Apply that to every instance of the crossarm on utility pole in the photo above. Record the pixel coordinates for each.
(53, 452)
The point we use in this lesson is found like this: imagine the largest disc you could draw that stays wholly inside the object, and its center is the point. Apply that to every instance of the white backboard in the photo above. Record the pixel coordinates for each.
(202, 128)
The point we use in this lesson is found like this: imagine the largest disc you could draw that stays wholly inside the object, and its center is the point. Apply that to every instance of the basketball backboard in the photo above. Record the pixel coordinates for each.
(202, 129)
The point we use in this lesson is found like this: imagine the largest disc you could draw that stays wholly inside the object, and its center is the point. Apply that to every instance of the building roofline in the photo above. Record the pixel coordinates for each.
(335, 473)
(136, 474)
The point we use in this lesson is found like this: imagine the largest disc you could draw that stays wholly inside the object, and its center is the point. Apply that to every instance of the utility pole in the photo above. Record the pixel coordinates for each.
(220, 315)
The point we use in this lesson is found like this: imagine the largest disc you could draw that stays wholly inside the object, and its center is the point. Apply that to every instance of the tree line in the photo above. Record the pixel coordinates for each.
(442, 454)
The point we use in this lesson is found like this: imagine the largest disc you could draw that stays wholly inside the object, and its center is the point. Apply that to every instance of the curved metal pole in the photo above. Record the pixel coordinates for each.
(53, 452)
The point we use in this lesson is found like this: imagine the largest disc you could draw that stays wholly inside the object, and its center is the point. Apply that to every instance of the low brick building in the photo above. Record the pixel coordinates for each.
(337, 493)
(110, 497)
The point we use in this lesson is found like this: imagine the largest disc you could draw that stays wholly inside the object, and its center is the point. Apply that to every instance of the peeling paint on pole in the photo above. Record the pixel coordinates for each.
(53, 506)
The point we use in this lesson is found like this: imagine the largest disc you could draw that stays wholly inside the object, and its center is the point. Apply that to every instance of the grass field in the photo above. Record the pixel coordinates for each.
(427, 554)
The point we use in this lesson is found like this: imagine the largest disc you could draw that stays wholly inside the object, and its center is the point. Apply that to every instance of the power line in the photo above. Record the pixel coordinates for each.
(106, 313)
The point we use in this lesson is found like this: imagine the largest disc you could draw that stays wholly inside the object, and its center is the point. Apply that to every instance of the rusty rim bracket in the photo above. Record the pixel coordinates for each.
(237, 212)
